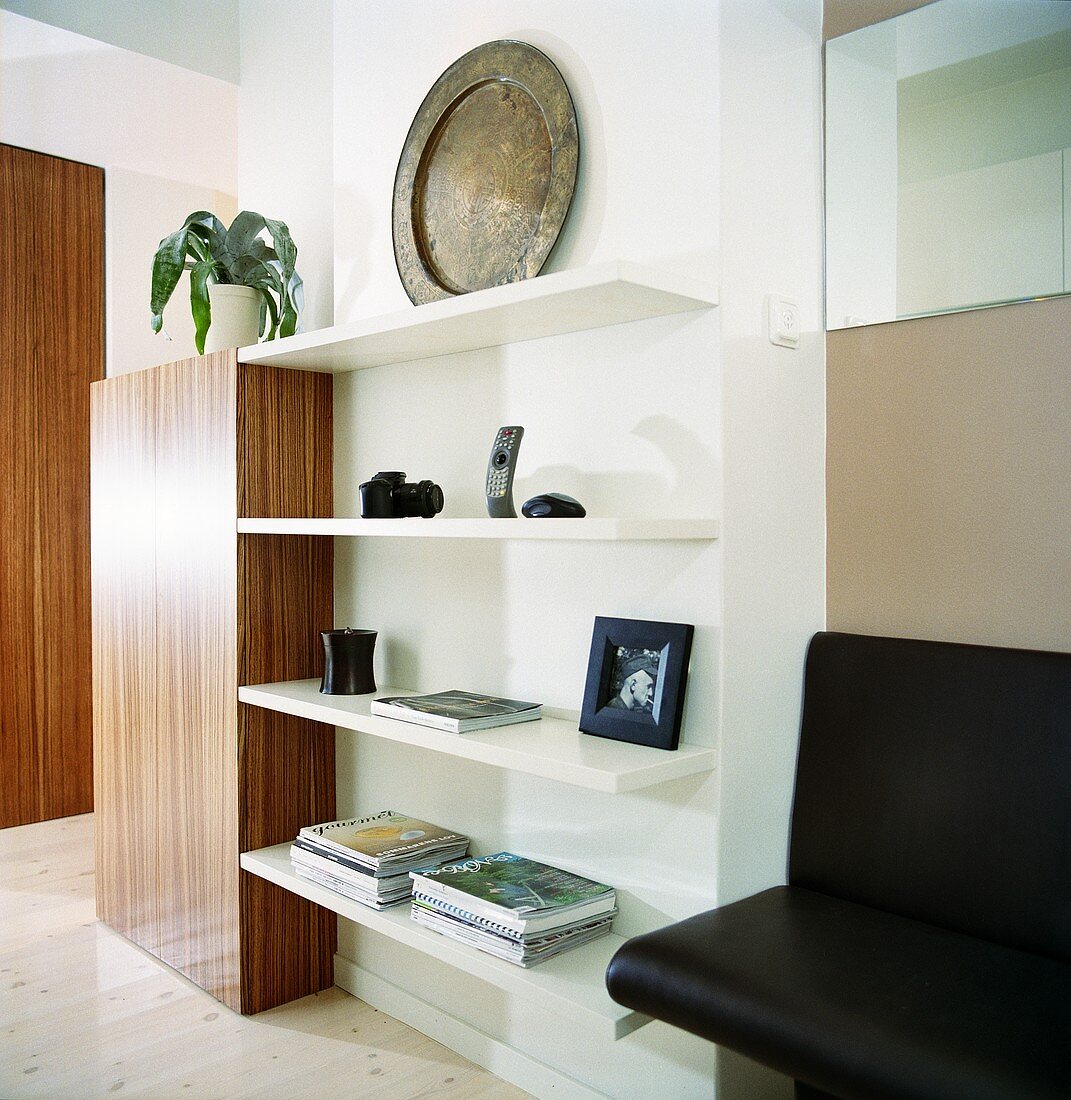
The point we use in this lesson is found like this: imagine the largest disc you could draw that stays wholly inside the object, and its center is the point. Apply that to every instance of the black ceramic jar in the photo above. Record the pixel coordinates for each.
(348, 662)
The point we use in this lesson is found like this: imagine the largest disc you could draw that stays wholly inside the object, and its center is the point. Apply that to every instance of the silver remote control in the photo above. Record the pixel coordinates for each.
(500, 468)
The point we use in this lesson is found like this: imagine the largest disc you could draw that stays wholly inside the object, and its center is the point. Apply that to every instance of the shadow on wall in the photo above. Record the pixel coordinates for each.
(355, 227)
(583, 227)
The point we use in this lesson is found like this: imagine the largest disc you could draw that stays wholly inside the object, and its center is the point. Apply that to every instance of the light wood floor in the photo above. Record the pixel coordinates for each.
(85, 1013)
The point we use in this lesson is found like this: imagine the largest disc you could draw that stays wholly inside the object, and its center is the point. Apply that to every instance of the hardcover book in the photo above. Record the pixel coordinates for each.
(456, 711)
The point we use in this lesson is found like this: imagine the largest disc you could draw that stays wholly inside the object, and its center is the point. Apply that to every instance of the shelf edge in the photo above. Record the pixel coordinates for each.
(597, 529)
(688, 759)
(271, 864)
(693, 294)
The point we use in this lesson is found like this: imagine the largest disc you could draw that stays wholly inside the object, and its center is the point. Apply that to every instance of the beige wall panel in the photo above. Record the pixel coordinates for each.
(949, 477)
(1067, 219)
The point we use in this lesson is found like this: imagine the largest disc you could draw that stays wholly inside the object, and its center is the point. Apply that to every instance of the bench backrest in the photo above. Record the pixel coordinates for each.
(934, 781)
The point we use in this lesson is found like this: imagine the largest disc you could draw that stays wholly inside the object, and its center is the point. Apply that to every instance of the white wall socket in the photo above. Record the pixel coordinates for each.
(783, 321)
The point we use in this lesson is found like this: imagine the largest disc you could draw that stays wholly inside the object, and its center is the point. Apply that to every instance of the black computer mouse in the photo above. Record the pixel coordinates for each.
(557, 505)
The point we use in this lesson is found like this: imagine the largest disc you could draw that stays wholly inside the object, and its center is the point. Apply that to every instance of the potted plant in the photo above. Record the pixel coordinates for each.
(241, 262)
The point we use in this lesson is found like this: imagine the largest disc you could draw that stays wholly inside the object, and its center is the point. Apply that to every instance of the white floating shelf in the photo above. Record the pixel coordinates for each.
(571, 984)
(552, 747)
(589, 528)
(548, 305)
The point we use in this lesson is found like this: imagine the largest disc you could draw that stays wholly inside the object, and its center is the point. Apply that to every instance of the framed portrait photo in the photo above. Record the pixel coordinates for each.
(637, 671)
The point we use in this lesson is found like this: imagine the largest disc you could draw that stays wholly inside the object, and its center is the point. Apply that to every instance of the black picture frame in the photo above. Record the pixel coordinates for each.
(631, 657)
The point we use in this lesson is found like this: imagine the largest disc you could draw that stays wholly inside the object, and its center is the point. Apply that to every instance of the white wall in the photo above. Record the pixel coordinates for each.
(861, 197)
(74, 97)
(201, 35)
(285, 135)
(674, 171)
(626, 419)
(774, 516)
(991, 234)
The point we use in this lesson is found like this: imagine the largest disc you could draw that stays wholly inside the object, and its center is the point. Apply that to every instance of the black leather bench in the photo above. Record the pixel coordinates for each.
(922, 946)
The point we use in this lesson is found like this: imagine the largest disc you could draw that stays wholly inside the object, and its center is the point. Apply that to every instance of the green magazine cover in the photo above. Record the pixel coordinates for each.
(514, 883)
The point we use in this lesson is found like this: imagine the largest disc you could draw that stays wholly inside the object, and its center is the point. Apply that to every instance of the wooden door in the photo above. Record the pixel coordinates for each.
(51, 348)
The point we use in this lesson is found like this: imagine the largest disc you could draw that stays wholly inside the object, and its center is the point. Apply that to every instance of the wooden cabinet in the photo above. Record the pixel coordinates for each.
(184, 610)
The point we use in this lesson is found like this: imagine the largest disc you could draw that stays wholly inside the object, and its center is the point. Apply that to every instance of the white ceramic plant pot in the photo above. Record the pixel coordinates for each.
(235, 316)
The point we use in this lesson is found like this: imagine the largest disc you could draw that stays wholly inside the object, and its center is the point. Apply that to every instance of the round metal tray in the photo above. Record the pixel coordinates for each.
(486, 174)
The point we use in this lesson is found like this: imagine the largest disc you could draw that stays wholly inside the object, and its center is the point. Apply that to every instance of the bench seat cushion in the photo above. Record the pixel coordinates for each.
(857, 1001)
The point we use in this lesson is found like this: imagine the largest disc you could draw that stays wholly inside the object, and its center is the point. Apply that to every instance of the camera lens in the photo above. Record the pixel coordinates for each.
(423, 498)
(433, 500)
(501, 459)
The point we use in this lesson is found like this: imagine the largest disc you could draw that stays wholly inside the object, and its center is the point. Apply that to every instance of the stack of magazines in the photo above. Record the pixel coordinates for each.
(512, 907)
(369, 859)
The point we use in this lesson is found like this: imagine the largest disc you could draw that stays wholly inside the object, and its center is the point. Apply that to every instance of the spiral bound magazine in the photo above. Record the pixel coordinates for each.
(525, 952)
(515, 892)
(386, 841)
(369, 858)
(534, 930)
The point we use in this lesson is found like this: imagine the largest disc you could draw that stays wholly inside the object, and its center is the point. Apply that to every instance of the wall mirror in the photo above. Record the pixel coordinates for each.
(948, 160)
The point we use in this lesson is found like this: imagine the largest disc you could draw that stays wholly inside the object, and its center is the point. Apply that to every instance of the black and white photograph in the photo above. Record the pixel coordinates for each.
(635, 682)
(633, 679)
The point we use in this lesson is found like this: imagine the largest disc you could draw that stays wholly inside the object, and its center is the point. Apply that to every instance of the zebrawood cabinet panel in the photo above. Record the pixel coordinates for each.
(287, 765)
(51, 349)
(184, 610)
(124, 650)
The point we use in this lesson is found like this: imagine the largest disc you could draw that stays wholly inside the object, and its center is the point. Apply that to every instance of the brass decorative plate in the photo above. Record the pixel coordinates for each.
(486, 174)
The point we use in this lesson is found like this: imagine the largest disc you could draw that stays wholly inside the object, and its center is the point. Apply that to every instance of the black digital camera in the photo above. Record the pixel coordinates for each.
(389, 496)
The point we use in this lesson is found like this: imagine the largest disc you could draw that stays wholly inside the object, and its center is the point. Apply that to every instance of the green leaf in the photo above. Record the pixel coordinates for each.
(269, 302)
(209, 229)
(287, 250)
(208, 220)
(261, 250)
(250, 271)
(199, 301)
(167, 268)
(197, 248)
(269, 289)
(284, 246)
(293, 305)
(241, 234)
